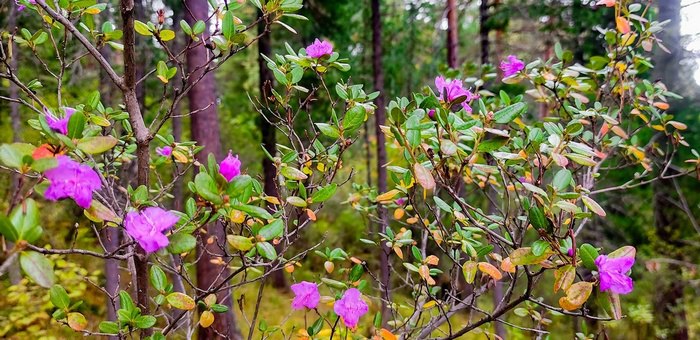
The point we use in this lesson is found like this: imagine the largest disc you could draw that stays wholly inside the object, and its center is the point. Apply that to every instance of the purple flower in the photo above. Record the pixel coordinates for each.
(165, 151)
(400, 201)
(147, 227)
(59, 125)
(230, 167)
(431, 114)
(453, 90)
(613, 274)
(570, 252)
(21, 7)
(72, 179)
(511, 66)
(351, 307)
(319, 49)
(305, 295)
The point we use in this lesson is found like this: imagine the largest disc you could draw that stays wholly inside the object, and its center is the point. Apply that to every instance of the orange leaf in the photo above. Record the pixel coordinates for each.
(507, 266)
(623, 26)
(424, 177)
(432, 260)
(386, 335)
(564, 277)
(491, 270)
(424, 272)
(206, 319)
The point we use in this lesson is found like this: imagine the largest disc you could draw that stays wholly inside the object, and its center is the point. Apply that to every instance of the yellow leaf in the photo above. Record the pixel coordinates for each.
(272, 200)
(469, 271)
(206, 319)
(92, 10)
(398, 252)
(576, 295)
(432, 260)
(424, 272)
(387, 195)
(491, 270)
(564, 277)
(398, 214)
(77, 321)
(163, 79)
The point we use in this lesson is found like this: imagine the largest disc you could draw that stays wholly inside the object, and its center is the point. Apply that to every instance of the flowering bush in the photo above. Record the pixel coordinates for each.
(488, 189)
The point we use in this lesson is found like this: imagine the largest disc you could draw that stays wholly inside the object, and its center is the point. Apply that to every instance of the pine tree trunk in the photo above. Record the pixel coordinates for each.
(204, 127)
(452, 34)
(268, 134)
(484, 31)
(380, 118)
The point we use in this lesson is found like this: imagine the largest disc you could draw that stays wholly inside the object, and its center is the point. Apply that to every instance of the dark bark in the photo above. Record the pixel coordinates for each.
(141, 134)
(268, 133)
(204, 127)
(452, 34)
(484, 30)
(142, 15)
(380, 118)
(110, 236)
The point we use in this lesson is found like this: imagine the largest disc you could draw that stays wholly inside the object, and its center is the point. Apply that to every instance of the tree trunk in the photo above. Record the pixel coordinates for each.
(452, 33)
(268, 134)
(204, 127)
(484, 30)
(110, 236)
(380, 117)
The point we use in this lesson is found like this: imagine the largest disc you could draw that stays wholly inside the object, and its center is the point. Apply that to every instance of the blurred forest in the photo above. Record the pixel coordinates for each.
(419, 40)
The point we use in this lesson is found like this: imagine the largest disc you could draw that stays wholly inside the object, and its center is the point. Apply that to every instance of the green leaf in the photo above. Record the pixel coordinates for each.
(142, 28)
(324, 193)
(354, 118)
(126, 302)
(524, 256)
(97, 144)
(588, 254)
(537, 218)
(7, 229)
(241, 243)
(158, 278)
(12, 154)
(109, 327)
(316, 327)
(297, 201)
(76, 125)
(539, 247)
(198, 27)
(356, 273)
(328, 130)
(228, 27)
(167, 35)
(59, 297)
(38, 268)
(145, 321)
(334, 283)
(181, 243)
(206, 187)
(509, 113)
(266, 250)
(442, 204)
(272, 230)
(25, 220)
(180, 301)
(217, 308)
(562, 179)
(254, 211)
(293, 173)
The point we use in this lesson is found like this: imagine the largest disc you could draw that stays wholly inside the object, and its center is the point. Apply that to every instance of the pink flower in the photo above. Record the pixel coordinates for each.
(147, 227)
(230, 167)
(305, 295)
(165, 151)
(59, 125)
(613, 274)
(72, 179)
(607, 3)
(319, 49)
(453, 90)
(511, 66)
(351, 307)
